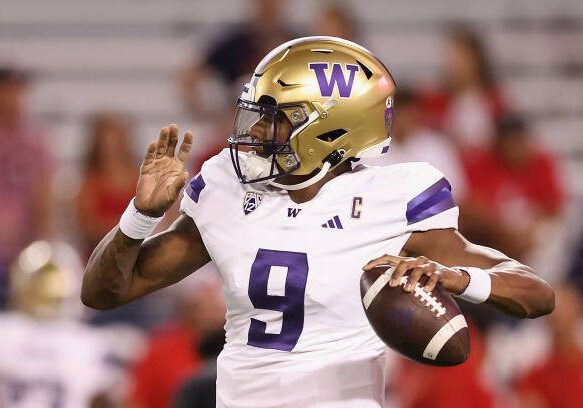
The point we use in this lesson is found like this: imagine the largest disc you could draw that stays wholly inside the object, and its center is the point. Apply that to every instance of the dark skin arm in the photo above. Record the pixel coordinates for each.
(516, 290)
(121, 268)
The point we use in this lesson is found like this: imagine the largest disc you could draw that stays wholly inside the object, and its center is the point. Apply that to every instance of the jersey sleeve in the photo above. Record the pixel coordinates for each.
(192, 194)
(214, 174)
(430, 203)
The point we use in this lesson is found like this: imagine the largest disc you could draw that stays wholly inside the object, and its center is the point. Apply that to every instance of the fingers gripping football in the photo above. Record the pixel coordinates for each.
(415, 268)
(162, 173)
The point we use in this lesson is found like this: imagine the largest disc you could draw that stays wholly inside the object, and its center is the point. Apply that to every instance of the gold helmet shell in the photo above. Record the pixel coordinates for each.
(45, 280)
(336, 96)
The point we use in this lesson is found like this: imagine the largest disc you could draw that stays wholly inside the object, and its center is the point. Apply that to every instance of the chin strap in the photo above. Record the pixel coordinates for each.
(317, 177)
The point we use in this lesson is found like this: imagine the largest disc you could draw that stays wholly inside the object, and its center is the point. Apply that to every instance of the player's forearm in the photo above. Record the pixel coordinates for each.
(510, 286)
(518, 292)
(108, 274)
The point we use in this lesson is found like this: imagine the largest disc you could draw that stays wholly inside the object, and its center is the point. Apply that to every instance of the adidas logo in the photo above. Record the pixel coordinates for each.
(333, 223)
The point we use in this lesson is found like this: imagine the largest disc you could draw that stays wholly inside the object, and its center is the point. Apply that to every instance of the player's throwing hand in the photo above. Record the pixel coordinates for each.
(452, 280)
(162, 173)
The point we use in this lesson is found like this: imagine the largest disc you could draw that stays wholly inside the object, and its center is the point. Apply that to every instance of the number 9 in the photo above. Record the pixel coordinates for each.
(291, 304)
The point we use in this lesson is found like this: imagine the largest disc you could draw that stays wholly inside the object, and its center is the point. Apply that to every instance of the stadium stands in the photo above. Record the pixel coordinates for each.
(127, 59)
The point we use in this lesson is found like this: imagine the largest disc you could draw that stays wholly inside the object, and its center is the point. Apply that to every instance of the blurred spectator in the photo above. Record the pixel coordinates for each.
(232, 58)
(575, 263)
(513, 191)
(336, 20)
(412, 141)
(110, 174)
(558, 380)
(469, 100)
(172, 355)
(109, 179)
(48, 357)
(200, 390)
(422, 386)
(25, 173)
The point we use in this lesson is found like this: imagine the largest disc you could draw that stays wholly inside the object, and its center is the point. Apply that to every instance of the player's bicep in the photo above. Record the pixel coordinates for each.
(450, 248)
(168, 257)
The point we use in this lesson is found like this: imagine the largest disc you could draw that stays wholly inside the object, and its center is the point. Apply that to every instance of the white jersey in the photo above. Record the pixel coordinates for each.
(297, 335)
(56, 364)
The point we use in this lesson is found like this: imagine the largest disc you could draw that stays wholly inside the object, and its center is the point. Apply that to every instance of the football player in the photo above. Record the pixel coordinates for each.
(290, 219)
(48, 357)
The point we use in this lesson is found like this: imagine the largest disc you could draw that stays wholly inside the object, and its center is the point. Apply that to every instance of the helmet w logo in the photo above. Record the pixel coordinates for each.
(338, 78)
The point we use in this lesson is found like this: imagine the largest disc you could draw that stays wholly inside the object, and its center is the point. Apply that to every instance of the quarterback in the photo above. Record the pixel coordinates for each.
(290, 218)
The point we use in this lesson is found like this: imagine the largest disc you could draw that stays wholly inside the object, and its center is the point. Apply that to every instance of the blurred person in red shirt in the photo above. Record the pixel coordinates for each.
(421, 386)
(25, 179)
(109, 179)
(468, 101)
(200, 390)
(514, 189)
(172, 355)
(108, 183)
(557, 382)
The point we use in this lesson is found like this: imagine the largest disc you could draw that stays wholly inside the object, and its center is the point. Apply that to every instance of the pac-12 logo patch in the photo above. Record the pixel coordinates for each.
(251, 201)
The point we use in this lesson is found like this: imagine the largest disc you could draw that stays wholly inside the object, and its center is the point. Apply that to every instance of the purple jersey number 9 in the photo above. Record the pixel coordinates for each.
(291, 304)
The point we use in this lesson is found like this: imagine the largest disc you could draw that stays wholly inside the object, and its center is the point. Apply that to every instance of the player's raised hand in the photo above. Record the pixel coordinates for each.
(452, 280)
(162, 173)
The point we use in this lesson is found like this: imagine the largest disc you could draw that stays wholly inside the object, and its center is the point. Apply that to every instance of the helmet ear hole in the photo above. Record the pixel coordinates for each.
(267, 100)
(332, 135)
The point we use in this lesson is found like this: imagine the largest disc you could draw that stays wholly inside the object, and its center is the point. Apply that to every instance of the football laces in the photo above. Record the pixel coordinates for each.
(426, 298)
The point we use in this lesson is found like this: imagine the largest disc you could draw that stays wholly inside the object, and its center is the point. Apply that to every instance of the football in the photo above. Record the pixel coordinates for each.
(427, 327)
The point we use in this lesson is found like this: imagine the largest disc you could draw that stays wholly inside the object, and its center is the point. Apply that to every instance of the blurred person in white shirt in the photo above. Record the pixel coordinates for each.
(412, 141)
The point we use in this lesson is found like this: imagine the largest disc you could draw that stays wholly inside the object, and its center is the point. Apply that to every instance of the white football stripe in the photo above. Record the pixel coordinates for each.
(443, 335)
(377, 286)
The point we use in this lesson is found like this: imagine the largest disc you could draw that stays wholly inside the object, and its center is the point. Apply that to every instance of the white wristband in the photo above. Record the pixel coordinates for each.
(136, 225)
(480, 286)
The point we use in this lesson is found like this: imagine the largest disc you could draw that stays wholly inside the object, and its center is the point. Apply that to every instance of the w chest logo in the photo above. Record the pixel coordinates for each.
(251, 201)
(293, 212)
(341, 76)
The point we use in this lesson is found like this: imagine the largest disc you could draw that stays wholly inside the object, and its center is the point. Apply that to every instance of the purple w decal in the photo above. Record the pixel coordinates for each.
(337, 77)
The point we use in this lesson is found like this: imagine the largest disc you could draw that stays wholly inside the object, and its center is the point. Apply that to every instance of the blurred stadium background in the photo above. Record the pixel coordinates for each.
(492, 95)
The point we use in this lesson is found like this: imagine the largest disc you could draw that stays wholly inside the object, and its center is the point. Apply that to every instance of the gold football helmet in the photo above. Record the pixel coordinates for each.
(45, 281)
(312, 104)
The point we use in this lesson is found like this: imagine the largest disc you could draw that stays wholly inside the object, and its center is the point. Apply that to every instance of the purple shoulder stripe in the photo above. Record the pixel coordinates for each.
(430, 202)
(194, 187)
